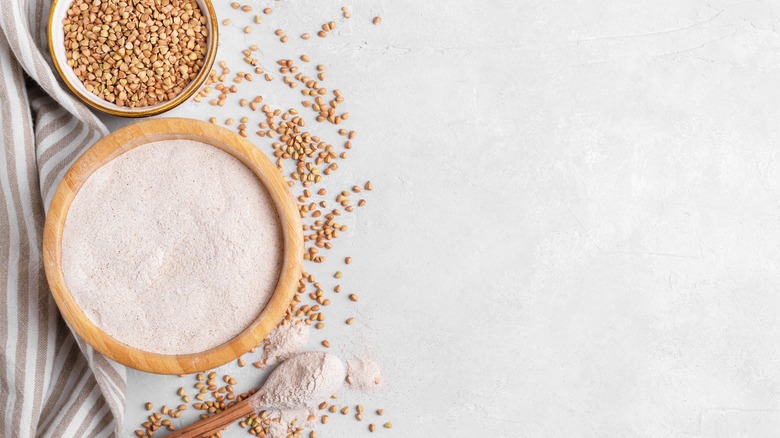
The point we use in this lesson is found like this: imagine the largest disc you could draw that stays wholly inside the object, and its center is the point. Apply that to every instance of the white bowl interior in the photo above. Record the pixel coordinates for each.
(58, 39)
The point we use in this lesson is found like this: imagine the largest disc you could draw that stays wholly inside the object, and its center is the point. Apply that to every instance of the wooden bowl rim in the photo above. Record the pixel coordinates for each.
(192, 87)
(126, 139)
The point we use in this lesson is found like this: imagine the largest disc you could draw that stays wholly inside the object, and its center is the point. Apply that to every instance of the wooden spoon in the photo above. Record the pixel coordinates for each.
(285, 388)
(211, 425)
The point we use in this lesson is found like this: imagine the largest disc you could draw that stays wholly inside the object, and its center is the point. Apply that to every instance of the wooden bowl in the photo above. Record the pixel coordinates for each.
(56, 38)
(122, 141)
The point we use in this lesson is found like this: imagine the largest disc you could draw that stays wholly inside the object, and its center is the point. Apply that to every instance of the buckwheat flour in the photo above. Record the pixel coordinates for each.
(301, 382)
(364, 374)
(173, 247)
(285, 341)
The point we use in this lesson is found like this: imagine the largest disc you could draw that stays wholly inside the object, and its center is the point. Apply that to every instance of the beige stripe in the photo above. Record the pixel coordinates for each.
(41, 35)
(42, 136)
(117, 380)
(44, 314)
(102, 368)
(66, 379)
(5, 241)
(97, 375)
(52, 125)
(102, 425)
(75, 406)
(89, 418)
(5, 255)
(47, 107)
(45, 356)
(61, 144)
(50, 133)
(53, 176)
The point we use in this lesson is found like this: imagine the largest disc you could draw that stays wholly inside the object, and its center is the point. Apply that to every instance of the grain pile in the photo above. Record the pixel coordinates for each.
(135, 54)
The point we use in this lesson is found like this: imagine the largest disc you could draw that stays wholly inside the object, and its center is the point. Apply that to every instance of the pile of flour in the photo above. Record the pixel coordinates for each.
(301, 382)
(294, 389)
(284, 342)
(173, 247)
(364, 374)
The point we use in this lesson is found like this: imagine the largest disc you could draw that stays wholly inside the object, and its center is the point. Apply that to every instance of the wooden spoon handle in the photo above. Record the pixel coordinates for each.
(209, 426)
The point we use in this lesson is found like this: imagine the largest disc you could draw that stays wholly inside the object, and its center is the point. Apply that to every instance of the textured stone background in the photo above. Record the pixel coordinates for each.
(575, 227)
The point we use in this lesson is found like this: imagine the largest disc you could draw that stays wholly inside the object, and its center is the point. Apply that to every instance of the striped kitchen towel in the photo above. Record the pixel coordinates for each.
(51, 383)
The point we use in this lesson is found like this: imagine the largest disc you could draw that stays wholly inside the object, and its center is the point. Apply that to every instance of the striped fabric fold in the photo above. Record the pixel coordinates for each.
(52, 384)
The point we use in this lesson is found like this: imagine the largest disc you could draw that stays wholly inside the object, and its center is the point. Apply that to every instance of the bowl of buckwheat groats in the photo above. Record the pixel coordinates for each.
(133, 58)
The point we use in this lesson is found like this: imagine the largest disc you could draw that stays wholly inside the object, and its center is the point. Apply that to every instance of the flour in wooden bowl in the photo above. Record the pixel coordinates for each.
(173, 247)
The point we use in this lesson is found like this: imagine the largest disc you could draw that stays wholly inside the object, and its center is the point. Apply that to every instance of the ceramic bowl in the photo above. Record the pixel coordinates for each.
(56, 38)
